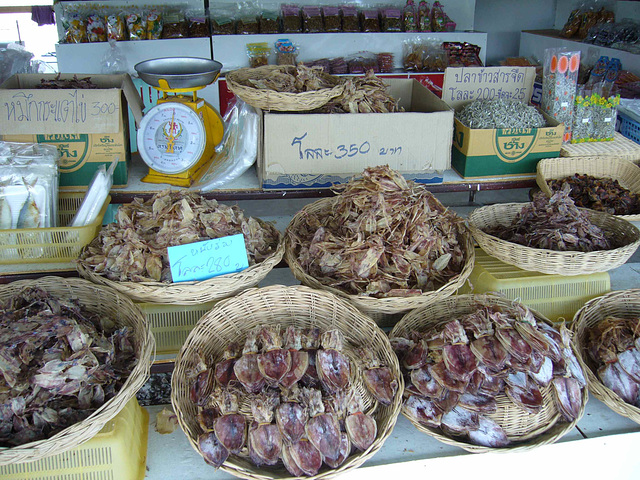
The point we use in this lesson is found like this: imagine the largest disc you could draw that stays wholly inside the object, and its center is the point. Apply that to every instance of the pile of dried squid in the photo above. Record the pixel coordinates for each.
(383, 237)
(134, 248)
(455, 372)
(304, 409)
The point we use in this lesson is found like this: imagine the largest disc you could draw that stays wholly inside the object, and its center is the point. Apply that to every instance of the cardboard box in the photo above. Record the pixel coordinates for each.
(497, 152)
(89, 126)
(320, 150)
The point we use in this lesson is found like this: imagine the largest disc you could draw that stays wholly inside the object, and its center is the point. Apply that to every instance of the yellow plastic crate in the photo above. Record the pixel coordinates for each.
(117, 452)
(555, 296)
(51, 245)
(171, 324)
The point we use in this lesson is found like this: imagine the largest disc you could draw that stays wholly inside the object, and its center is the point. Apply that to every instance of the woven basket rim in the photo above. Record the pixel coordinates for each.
(611, 167)
(620, 147)
(542, 436)
(294, 300)
(87, 428)
(603, 393)
(528, 256)
(372, 305)
(193, 292)
(280, 101)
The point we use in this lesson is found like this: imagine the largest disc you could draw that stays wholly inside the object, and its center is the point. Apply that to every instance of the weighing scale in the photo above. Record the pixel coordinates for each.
(177, 137)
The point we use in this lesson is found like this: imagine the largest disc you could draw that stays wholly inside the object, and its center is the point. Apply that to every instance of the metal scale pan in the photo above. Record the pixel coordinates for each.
(178, 73)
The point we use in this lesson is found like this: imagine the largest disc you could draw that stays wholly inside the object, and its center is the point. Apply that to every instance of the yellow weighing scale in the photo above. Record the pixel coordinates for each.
(178, 136)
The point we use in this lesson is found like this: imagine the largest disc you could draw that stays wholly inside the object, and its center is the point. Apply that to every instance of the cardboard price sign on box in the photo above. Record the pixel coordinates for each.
(89, 126)
(504, 151)
(319, 150)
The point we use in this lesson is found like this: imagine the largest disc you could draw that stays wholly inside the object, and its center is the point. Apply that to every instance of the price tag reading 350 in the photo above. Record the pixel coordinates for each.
(208, 259)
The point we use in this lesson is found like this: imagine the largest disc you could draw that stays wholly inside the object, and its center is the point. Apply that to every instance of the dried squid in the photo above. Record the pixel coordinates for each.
(476, 357)
(384, 236)
(296, 382)
(134, 247)
(613, 345)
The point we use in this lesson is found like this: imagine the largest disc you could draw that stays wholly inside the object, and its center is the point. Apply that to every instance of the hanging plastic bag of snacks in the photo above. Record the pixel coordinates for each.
(412, 53)
(96, 29)
(559, 84)
(154, 24)
(258, 54)
(136, 23)
(116, 29)
(286, 52)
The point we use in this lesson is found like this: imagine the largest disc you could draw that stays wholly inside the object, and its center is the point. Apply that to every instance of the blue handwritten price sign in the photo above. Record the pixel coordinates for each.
(208, 259)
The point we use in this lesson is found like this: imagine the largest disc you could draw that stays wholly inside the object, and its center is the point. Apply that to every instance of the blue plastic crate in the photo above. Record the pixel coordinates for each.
(629, 127)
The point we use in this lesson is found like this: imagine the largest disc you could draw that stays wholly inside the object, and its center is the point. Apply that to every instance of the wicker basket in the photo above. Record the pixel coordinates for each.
(624, 171)
(232, 318)
(526, 430)
(620, 147)
(100, 300)
(622, 304)
(279, 101)
(550, 261)
(380, 309)
(190, 293)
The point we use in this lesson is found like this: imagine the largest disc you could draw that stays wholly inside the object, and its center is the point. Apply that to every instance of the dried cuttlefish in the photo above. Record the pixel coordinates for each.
(59, 362)
(474, 358)
(201, 377)
(291, 417)
(613, 344)
(361, 428)
(265, 440)
(230, 427)
(224, 372)
(378, 378)
(274, 362)
(299, 358)
(333, 366)
(213, 452)
(246, 367)
(322, 428)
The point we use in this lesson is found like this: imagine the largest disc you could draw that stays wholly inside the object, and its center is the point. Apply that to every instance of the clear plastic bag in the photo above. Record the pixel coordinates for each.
(237, 150)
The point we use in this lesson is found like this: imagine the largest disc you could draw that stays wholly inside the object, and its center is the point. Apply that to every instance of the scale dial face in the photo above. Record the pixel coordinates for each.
(171, 138)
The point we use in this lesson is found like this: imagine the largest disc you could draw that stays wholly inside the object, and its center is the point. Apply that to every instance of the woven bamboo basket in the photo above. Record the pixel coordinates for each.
(621, 304)
(190, 293)
(266, 99)
(100, 300)
(525, 430)
(620, 147)
(383, 310)
(232, 318)
(550, 261)
(625, 172)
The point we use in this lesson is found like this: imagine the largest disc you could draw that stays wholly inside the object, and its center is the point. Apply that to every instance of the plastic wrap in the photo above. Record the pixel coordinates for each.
(114, 61)
(291, 20)
(410, 17)
(424, 16)
(75, 27)
(312, 19)
(96, 28)
(28, 185)
(559, 85)
(370, 20)
(391, 19)
(269, 21)
(258, 54)
(237, 150)
(154, 24)
(96, 195)
(332, 20)
(350, 21)
(174, 24)
(248, 22)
